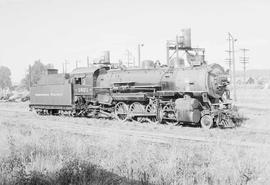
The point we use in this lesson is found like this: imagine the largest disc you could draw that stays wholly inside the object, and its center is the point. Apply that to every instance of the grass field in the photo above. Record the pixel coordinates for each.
(55, 150)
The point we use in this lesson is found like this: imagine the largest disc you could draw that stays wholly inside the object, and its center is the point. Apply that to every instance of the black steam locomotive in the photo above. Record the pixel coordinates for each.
(172, 94)
(195, 94)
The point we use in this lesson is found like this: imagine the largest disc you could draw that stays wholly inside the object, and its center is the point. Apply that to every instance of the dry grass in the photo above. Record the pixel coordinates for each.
(39, 156)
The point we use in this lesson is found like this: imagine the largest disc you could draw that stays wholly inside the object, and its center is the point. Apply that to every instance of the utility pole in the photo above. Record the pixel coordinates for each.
(30, 76)
(77, 63)
(128, 57)
(167, 52)
(64, 65)
(139, 54)
(232, 40)
(88, 63)
(229, 59)
(133, 60)
(129, 54)
(244, 61)
(176, 48)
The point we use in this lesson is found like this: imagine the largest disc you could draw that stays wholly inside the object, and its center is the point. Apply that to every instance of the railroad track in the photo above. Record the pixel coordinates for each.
(72, 126)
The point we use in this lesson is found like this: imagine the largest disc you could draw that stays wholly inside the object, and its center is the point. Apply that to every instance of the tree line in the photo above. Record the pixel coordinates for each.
(33, 75)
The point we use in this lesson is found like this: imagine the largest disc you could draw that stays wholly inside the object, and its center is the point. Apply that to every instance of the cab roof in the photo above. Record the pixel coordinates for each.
(81, 70)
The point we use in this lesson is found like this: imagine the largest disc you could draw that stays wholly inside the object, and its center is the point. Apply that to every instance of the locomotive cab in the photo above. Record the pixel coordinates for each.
(84, 81)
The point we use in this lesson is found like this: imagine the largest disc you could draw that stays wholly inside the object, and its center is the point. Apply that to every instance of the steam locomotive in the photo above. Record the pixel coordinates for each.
(174, 93)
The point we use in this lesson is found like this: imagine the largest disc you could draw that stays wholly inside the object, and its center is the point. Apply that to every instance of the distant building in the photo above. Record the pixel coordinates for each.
(250, 80)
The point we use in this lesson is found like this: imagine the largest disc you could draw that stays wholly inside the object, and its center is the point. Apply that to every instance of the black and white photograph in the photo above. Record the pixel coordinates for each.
(134, 92)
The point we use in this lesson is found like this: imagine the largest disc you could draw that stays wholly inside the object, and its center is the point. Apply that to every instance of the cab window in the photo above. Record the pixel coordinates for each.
(78, 81)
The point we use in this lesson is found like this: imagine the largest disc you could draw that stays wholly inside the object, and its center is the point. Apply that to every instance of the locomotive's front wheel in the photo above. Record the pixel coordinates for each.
(207, 121)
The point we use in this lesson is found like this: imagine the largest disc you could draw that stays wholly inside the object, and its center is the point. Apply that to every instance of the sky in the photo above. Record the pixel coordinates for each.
(58, 30)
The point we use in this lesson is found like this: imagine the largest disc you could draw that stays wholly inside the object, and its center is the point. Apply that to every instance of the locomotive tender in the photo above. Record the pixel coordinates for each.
(196, 94)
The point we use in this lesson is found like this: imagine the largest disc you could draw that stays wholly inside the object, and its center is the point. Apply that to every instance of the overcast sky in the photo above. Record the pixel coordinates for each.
(55, 30)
